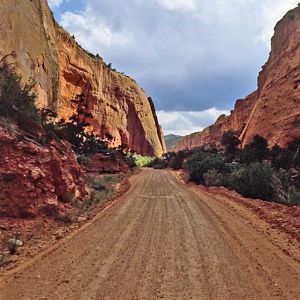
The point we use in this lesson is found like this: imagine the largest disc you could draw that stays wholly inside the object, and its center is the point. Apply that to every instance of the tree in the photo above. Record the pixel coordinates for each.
(230, 141)
(176, 160)
(16, 99)
(257, 150)
(82, 141)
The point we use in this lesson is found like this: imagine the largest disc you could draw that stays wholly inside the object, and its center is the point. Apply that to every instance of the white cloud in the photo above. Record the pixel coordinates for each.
(186, 122)
(92, 33)
(207, 56)
(55, 3)
(263, 15)
(178, 4)
(272, 13)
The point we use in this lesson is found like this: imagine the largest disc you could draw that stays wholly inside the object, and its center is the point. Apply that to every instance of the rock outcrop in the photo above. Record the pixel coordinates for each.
(63, 70)
(212, 135)
(273, 111)
(36, 179)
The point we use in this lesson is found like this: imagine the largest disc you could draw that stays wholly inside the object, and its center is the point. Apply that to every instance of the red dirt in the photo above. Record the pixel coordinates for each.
(280, 217)
(163, 240)
(42, 232)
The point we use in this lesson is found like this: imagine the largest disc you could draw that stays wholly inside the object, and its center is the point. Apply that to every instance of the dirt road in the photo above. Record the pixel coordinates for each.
(162, 241)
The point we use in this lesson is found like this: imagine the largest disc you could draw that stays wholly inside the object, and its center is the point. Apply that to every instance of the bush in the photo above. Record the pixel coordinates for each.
(74, 131)
(158, 163)
(253, 181)
(213, 178)
(281, 182)
(16, 98)
(66, 218)
(97, 183)
(257, 150)
(294, 196)
(286, 158)
(199, 163)
(176, 160)
(142, 161)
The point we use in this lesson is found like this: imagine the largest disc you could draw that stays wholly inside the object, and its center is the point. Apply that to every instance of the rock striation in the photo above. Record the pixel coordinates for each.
(273, 110)
(63, 70)
(36, 179)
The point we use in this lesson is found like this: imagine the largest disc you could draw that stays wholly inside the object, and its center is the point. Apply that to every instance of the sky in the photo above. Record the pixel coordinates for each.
(193, 57)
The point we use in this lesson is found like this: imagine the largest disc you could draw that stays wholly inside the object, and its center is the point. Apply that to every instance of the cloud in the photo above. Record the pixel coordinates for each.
(188, 55)
(270, 19)
(178, 4)
(94, 34)
(185, 122)
(55, 3)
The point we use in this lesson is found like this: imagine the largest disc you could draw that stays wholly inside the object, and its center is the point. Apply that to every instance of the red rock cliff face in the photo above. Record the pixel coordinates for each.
(35, 179)
(273, 111)
(212, 135)
(63, 70)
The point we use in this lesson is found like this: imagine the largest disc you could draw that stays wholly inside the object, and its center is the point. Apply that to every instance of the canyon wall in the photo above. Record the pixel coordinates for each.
(273, 111)
(36, 179)
(43, 50)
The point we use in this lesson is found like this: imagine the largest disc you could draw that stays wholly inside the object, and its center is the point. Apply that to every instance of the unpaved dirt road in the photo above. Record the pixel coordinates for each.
(162, 241)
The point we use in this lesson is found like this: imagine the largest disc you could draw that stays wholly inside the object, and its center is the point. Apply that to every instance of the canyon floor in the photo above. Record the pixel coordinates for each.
(164, 240)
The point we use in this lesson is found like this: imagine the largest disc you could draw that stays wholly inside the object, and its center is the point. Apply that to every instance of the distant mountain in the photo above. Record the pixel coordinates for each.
(171, 140)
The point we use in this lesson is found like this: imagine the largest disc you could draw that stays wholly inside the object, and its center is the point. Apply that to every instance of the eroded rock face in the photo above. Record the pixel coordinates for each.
(36, 179)
(63, 70)
(276, 114)
(273, 111)
(212, 135)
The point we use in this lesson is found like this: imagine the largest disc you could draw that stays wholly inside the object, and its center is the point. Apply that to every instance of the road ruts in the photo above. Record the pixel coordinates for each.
(162, 241)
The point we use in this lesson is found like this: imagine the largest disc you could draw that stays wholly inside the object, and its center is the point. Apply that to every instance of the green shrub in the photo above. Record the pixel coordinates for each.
(96, 197)
(142, 161)
(257, 150)
(254, 180)
(66, 218)
(102, 188)
(130, 161)
(286, 158)
(213, 178)
(74, 131)
(158, 163)
(176, 160)
(97, 183)
(294, 196)
(199, 163)
(281, 181)
(16, 99)
(230, 141)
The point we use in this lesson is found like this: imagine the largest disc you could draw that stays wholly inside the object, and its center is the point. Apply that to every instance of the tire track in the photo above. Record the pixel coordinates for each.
(163, 241)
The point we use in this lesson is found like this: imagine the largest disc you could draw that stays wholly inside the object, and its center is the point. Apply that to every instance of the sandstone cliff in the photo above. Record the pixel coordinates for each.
(212, 135)
(63, 70)
(36, 179)
(273, 111)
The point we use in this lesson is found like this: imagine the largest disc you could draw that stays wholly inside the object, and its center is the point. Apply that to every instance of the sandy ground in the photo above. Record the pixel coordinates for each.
(42, 232)
(163, 240)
